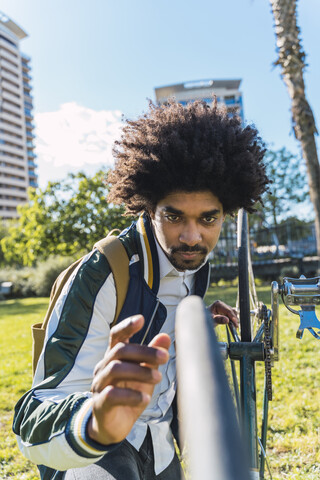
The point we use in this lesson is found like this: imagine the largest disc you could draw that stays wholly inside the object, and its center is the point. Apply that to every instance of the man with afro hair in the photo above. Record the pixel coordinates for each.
(103, 401)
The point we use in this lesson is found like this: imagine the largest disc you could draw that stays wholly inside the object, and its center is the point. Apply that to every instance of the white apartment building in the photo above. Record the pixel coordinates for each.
(226, 91)
(17, 157)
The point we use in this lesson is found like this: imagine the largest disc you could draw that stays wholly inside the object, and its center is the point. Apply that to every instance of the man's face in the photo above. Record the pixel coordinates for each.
(187, 227)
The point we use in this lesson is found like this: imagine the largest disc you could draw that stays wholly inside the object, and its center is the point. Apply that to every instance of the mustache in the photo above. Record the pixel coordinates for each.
(187, 249)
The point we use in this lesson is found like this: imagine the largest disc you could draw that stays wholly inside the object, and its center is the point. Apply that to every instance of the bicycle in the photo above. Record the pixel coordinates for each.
(259, 341)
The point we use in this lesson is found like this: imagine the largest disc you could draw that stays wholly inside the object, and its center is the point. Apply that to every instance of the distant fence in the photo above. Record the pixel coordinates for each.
(274, 249)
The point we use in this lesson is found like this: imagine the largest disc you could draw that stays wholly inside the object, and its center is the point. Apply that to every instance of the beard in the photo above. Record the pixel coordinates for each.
(182, 264)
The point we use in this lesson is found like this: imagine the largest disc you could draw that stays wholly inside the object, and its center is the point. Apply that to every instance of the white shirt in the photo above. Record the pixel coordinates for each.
(174, 286)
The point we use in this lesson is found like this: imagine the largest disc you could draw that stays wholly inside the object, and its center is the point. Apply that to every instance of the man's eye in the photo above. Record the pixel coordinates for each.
(173, 218)
(209, 220)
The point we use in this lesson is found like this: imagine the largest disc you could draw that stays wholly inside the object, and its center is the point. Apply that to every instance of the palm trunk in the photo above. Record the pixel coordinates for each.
(292, 61)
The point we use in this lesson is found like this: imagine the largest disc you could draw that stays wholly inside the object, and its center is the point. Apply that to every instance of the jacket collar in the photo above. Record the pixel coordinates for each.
(148, 253)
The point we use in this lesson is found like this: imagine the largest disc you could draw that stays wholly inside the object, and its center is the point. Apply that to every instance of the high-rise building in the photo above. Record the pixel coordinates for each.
(226, 91)
(17, 157)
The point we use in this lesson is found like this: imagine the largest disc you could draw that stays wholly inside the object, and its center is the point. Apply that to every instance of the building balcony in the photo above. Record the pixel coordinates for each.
(25, 57)
(32, 174)
(10, 108)
(15, 183)
(27, 96)
(229, 100)
(8, 46)
(30, 135)
(10, 128)
(25, 66)
(32, 164)
(30, 125)
(28, 114)
(17, 122)
(9, 96)
(13, 115)
(13, 171)
(25, 75)
(10, 86)
(13, 150)
(15, 180)
(33, 183)
(12, 139)
(12, 153)
(21, 195)
(31, 155)
(8, 65)
(12, 161)
(9, 56)
(27, 86)
(11, 77)
(8, 202)
(8, 215)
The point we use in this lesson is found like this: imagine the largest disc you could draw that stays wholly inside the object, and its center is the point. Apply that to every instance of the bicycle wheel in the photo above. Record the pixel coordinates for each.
(209, 426)
(247, 302)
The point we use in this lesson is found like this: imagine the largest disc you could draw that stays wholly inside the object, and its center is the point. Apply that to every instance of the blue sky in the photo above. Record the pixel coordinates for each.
(93, 62)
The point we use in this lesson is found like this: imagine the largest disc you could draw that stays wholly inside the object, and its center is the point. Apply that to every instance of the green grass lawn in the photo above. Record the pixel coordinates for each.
(294, 433)
(16, 318)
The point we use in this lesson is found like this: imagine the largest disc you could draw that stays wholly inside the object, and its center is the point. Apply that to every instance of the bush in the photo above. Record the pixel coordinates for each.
(21, 280)
(291, 271)
(35, 281)
(46, 272)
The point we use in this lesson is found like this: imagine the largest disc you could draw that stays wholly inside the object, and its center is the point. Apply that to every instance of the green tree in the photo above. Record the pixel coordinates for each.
(65, 218)
(289, 185)
(4, 229)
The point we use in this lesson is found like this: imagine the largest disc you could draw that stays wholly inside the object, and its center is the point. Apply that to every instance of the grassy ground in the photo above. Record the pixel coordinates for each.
(294, 434)
(16, 317)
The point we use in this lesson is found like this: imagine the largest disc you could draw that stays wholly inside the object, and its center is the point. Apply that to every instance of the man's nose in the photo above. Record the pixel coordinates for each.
(190, 235)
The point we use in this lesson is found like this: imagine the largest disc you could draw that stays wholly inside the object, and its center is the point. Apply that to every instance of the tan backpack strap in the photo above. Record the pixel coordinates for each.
(118, 260)
(112, 248)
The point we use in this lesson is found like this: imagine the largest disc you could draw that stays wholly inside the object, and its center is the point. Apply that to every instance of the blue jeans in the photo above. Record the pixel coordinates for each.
(126, 463)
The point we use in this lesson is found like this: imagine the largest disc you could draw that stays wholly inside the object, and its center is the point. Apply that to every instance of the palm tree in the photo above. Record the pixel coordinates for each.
(292, 62)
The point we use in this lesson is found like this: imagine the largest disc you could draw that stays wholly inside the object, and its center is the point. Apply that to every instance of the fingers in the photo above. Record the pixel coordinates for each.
(221, 320)
(127, 362)
(113, 396)
(124, 330)
(118, 371)
(132, 352)
(223, 313)
(162, 340)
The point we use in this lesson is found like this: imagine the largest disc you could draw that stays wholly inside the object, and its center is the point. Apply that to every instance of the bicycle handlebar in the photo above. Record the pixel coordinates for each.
(304, 292)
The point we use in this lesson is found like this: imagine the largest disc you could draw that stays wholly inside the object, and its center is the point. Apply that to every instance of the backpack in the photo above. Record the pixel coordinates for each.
(111, 247)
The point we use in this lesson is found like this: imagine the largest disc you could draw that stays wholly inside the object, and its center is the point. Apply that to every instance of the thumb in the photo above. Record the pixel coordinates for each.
(162, 340)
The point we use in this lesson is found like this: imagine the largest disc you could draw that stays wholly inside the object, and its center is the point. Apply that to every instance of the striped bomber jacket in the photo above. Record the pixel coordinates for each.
(50, 419)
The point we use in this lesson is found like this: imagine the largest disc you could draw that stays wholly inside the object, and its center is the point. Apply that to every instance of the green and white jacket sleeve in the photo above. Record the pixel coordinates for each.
(51, 419)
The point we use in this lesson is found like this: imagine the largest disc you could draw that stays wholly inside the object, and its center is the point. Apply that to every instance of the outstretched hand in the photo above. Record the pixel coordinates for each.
(223, 314)
(124, 380)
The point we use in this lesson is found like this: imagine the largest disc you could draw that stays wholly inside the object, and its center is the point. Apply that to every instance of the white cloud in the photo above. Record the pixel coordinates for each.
(74, 138)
